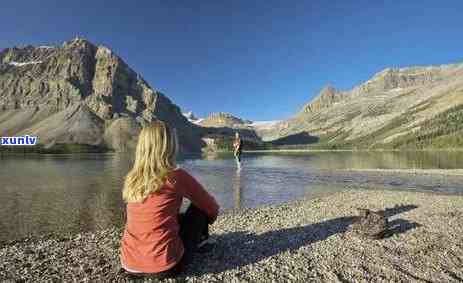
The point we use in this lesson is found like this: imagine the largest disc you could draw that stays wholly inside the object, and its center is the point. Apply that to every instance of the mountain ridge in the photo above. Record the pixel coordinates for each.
(345, 117)
(37, 83)
(388, 111)
(84, 93)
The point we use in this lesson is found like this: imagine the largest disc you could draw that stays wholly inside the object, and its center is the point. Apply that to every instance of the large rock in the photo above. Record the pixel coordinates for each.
(370, 224)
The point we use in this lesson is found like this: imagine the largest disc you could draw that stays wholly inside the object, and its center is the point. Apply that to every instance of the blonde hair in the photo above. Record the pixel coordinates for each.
(154, 158)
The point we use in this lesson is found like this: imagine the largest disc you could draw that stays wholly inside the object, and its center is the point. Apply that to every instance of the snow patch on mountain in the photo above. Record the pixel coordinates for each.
(191, 117)
(19, 64)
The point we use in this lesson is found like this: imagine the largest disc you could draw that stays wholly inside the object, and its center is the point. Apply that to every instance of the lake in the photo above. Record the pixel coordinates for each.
(43, 194)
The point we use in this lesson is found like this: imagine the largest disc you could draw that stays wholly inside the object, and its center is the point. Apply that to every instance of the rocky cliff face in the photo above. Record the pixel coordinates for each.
(327, 97)
(391, 78)
(395, 107)
(81, 93)
(224, 120)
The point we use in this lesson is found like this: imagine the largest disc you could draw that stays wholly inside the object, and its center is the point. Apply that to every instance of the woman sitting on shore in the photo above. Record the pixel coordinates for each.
(157, 240)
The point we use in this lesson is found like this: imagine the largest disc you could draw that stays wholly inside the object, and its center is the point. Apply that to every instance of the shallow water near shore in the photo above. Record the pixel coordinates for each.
(41, 194)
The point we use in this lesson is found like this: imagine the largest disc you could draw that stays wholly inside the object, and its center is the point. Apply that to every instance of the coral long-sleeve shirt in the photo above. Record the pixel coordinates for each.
(151, 241)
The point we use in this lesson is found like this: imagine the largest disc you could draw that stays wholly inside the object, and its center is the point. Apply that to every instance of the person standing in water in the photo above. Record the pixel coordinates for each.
(158, 241)
(237, 148)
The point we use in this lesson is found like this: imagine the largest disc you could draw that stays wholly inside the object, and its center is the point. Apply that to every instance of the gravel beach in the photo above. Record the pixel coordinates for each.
(307, 240)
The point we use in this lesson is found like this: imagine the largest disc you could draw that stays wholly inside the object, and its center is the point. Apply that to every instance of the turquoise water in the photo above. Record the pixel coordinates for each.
(69, 193)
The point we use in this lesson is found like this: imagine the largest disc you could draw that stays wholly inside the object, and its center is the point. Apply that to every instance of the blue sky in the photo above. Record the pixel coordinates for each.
(259, 60)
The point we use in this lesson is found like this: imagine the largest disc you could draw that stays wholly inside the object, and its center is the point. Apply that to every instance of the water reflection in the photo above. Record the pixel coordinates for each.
(55, 193)
(379, 160)
(237, 187)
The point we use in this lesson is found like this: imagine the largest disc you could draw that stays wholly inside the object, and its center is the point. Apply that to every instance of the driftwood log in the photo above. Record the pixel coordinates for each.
(370, 224)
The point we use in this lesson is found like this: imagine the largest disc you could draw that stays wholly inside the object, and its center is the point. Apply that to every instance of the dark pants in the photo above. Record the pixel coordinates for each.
(194, 224)
(238, 155)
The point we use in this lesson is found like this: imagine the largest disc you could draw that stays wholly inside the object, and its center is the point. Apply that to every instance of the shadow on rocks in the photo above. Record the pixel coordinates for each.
(238, 249)
(389, 212)
(399, 226)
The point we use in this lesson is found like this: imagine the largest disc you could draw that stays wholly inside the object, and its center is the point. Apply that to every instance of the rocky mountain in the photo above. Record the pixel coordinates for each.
(327, 97)
(416, 107)
(226, 124)
(84, 94)
(81, 93)
(222, 119)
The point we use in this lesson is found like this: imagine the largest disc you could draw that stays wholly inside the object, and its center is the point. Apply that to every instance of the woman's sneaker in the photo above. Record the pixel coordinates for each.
(206, 245)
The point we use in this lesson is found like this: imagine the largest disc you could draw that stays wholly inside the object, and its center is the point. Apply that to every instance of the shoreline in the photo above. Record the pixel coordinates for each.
(445, 172)
(79, 149)
(306, 239)
(352, 150)
(297, 150)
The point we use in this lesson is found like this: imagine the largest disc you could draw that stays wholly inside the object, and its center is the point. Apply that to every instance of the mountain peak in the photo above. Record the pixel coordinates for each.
(328, 90)
(325, 98)
(414, 76)
(78, 40)
(40, 83)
